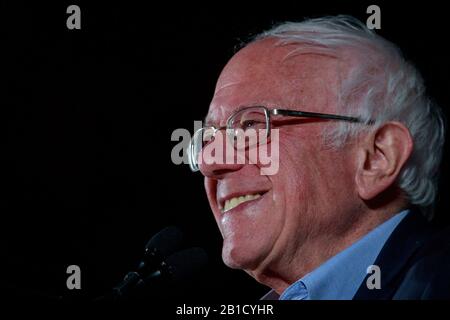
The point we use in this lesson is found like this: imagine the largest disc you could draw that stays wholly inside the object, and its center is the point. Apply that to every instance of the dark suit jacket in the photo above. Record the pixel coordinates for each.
(414, 263)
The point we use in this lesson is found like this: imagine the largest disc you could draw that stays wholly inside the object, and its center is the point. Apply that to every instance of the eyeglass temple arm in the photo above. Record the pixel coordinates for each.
(295, 113)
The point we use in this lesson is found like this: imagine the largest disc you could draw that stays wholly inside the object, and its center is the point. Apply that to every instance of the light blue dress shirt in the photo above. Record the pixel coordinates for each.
(340, 277)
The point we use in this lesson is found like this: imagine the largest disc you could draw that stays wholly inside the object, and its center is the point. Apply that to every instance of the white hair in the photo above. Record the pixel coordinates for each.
(381, 86)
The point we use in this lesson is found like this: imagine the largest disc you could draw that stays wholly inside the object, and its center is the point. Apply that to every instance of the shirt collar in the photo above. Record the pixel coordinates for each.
(340, 277)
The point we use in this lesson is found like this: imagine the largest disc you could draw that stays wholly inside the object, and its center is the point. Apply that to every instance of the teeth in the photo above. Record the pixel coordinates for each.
(234, 202)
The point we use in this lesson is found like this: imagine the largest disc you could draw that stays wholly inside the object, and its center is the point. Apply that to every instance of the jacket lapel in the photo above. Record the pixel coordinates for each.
(395, 256)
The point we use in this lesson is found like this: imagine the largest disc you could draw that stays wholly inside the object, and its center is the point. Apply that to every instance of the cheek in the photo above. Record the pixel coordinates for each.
(295, 164)
(307, 172)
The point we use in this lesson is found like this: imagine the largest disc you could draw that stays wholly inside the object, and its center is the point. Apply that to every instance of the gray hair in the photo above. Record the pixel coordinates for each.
(382, 86)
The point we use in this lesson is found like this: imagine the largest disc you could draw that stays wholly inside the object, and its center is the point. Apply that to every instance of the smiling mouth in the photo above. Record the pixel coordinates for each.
(236, 201)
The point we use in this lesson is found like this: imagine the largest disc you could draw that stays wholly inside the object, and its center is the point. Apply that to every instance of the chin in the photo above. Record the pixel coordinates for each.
(238, 257)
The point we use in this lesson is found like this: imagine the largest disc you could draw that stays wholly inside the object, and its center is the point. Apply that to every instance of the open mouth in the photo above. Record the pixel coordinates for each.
(233, 202)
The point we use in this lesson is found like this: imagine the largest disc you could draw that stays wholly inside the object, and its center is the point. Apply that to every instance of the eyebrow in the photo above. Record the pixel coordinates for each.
(207, 121)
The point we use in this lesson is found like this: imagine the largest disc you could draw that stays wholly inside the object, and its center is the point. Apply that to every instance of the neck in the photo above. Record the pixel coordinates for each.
(280, 273)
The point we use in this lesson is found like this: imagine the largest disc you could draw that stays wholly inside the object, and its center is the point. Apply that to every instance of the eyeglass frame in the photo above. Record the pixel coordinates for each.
(275, 112)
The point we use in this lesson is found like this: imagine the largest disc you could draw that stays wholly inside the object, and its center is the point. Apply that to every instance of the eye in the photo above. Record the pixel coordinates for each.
(248, 124)
(256, 124)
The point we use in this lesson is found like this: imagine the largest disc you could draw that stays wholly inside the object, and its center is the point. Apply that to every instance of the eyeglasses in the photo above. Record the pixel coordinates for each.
(255, 119)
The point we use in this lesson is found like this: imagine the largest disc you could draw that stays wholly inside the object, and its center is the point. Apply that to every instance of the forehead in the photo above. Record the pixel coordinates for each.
(264, 73)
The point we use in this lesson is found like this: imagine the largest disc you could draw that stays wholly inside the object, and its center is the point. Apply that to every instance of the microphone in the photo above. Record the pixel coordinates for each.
(160, 266)
(175, 269)
(162, 244)
(178, 267)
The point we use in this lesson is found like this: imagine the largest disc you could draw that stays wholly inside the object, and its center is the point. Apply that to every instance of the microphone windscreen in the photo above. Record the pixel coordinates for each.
(186, 263)
(166, 241)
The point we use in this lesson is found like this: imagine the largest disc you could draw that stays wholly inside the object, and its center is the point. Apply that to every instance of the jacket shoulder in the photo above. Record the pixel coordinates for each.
(427, 276)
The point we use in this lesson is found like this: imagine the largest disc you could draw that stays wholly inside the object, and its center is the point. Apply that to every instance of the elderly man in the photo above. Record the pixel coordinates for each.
(359, 146)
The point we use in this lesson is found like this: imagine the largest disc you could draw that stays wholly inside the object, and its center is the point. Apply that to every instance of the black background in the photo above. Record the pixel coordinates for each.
(89, 113)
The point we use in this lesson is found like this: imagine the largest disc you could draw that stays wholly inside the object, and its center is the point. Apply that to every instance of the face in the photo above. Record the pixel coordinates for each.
(304, 200)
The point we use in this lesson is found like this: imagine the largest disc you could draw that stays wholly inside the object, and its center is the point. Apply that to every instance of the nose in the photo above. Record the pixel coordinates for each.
(220, 157)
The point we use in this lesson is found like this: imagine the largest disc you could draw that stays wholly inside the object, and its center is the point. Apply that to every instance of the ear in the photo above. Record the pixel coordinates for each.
(381, 156)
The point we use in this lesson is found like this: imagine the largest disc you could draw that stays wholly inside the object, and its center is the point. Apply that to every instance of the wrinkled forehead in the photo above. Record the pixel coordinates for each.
(267, 74)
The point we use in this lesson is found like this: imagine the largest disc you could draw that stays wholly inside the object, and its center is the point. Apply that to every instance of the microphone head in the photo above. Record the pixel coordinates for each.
(166, 241)
(184, 264)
